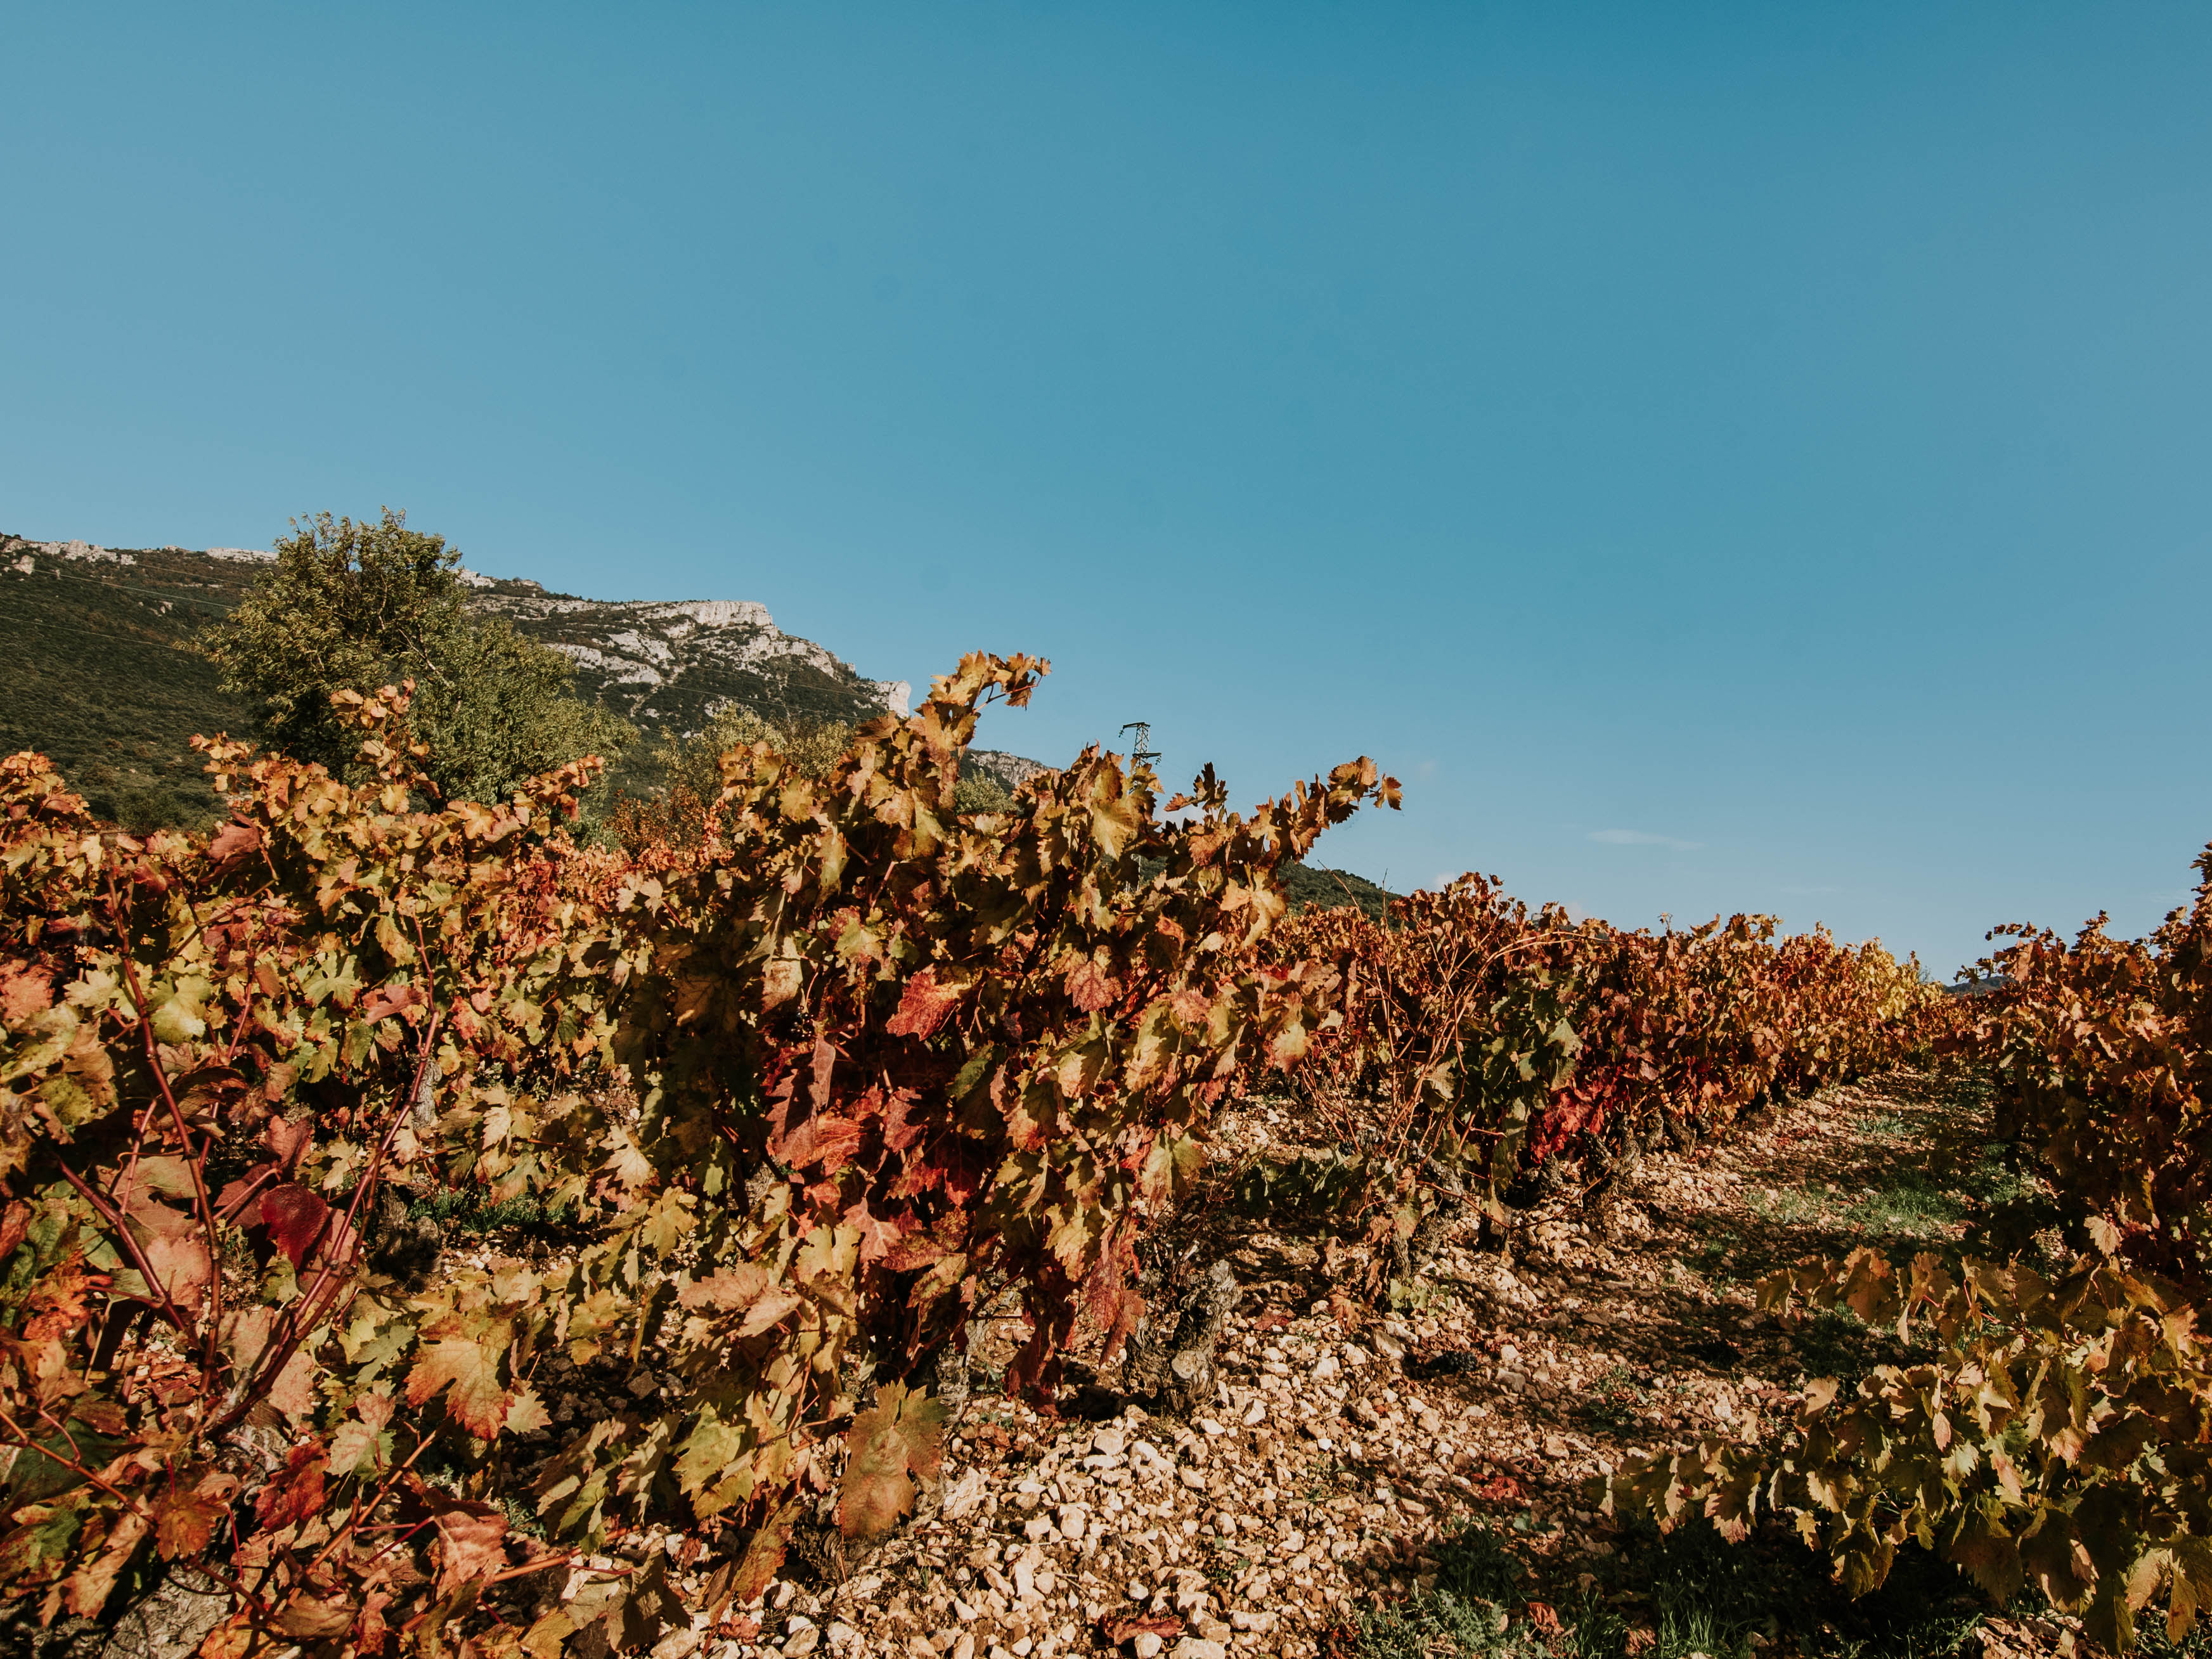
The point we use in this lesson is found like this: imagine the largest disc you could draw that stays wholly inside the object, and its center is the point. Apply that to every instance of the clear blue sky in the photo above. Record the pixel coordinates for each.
(1719, 457)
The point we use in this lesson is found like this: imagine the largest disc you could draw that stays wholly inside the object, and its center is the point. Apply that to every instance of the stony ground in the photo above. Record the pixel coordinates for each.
(1413, 1477)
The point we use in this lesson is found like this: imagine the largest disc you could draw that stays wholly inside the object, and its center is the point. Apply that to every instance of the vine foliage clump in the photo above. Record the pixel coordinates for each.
(805, 1089)
(2059, 1433)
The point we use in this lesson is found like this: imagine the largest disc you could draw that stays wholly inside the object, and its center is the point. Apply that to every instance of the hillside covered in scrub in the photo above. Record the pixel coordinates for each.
(100, 673)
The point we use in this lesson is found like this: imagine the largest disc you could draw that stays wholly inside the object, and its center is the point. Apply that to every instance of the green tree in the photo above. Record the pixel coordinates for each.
(351, 606)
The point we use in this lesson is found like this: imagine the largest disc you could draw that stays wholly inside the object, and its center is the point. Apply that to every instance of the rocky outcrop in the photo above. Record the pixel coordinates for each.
(673, 663)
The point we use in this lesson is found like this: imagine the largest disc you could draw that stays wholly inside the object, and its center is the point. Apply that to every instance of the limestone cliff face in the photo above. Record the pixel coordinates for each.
(672, 662)
(1011, 770)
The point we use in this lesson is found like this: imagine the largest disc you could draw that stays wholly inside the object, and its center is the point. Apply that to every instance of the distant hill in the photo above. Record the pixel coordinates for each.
(97, 668)
(1310, 887)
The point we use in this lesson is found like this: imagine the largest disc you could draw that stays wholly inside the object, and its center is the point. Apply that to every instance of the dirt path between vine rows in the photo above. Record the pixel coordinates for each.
(1344, 1492)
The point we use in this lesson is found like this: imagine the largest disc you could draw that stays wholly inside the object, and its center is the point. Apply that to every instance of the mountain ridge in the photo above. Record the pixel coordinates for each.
(99, 671)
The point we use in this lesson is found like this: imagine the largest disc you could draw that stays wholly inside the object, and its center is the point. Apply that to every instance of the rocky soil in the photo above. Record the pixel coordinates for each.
(1347, 1459)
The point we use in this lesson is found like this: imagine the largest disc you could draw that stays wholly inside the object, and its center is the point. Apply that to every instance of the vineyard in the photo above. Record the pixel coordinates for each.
(832, 1144)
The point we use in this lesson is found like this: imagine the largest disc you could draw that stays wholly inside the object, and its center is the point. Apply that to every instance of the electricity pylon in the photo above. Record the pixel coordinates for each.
(1142, 753)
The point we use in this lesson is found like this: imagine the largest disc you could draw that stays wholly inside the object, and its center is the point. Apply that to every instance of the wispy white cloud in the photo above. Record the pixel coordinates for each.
(1643, 838)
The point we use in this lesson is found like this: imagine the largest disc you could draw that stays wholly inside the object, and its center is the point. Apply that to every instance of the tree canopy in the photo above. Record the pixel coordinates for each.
(350, 606)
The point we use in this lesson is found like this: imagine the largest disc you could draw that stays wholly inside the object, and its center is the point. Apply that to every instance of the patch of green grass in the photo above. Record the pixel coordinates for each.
(1887, 1126)
(1411, 1629)
(1791, 1208)
(1612, 1403)
(521, 1518)
(1700, 1594)
(467, 1212)
(1909, 1205)
(1477, 1580)
(1994, 1176)
(1719, 1256)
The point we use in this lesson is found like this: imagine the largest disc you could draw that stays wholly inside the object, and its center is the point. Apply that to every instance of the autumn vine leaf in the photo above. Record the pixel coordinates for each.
(478, 1401)
(892, 1448)
(296, 1216)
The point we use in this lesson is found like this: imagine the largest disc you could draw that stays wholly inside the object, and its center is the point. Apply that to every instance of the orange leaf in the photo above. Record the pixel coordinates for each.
(471, 1542)
(392, 999)
(478, 1402)
(293, 1393)
(90, 1585)
(828, 1141)
(186, 1520)
(756, 1568)
(902, 1438)
(731, 1289)
(174, 1249)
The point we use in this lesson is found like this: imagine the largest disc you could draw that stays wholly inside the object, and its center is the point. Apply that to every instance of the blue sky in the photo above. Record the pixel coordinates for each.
(1732, 458)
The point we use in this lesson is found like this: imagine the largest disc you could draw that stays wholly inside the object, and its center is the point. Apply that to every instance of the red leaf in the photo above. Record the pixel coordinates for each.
(233, 841)
(828, 1141)
(286, 1139)
(294, 1216)
(1092, 987)
(24, 991)
(879, 1234)
(471, 1542)
(297, 1492)
(1110, 1298)
(175, 1248)
(924, 1005)
(902, 1128)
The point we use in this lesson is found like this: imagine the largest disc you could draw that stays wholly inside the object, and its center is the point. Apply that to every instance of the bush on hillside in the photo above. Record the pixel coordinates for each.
(347, 606)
